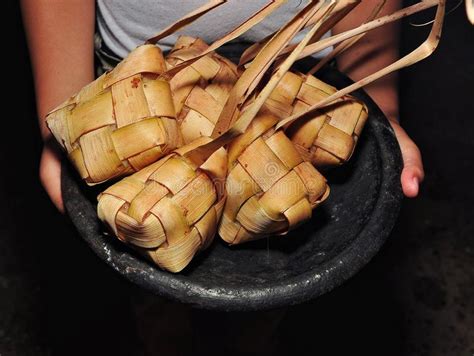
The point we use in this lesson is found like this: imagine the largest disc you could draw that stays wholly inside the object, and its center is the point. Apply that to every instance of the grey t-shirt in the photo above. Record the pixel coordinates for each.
(125, 24)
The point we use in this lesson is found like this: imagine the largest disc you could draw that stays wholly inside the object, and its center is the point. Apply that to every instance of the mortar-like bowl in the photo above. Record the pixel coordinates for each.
(342, 236)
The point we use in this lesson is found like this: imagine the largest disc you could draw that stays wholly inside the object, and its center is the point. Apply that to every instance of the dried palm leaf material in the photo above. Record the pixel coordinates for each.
(121, 122)
(270, 188)
(253, 74)
(169, 210)
(201, 79)
(200, 90)
(253, 20)
(343, 46)
(418, 54)
(328, 137)
(341, 9)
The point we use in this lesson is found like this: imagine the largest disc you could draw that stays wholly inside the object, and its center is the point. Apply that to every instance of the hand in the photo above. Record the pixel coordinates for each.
(50, 174)
(413, 173)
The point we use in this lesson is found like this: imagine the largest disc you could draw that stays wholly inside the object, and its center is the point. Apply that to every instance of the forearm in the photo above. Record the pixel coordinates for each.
(374, 51)
(61, 41)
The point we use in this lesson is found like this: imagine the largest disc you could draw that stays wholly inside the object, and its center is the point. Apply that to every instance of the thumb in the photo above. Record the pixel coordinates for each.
(50, 176)
(413, 173)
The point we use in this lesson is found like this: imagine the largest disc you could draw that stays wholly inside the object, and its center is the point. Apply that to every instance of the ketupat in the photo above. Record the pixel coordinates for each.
(169, 210)
(200, 90)
(270, 188)
(121, 122)
(327, 137)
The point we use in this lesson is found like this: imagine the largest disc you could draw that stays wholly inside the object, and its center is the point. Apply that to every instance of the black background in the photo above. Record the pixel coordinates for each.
(415, 298)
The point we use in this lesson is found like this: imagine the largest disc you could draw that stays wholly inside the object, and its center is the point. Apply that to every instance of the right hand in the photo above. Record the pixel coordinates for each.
(413, 173)
(50, 174)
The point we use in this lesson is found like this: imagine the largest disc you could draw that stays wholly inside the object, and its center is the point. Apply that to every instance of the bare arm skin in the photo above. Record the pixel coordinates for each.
(374, 51)
(60, 37)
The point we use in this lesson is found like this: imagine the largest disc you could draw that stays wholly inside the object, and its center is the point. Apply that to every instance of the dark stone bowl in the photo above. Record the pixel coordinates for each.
(343, 235)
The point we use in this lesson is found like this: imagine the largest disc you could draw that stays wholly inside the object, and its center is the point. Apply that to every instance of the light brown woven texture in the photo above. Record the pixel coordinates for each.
(327, 138)
(169, 210)
(172, 237)
(270, 188)
(201, 89)
(121, 122)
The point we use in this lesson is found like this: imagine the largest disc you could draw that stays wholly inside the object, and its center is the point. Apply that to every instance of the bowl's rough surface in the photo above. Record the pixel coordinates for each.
(342, 236)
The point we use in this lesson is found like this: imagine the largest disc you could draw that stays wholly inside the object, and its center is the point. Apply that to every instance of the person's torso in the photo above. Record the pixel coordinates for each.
(125, 24)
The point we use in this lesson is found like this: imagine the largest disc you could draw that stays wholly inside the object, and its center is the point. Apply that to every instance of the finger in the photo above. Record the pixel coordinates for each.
(50, 176)
(412, 173)
(55, 192)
